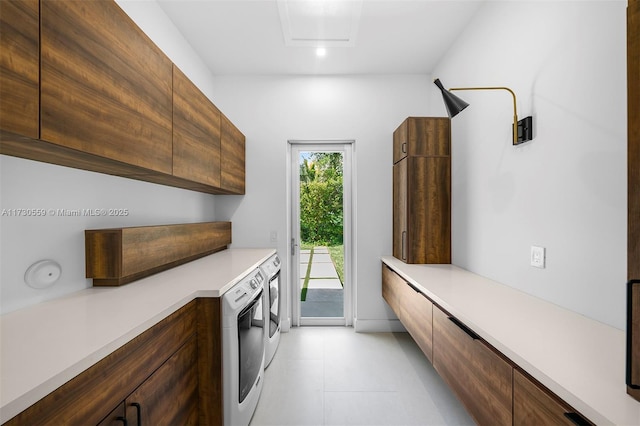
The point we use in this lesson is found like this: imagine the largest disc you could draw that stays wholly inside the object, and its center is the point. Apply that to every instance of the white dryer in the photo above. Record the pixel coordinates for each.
(273, 289)
(243, 348)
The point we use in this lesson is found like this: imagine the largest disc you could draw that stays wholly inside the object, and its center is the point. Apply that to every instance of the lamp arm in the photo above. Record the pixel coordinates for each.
(515, 112)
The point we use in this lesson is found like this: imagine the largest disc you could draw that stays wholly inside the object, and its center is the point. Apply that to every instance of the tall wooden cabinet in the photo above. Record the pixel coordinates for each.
(422, 190)
(633, 255)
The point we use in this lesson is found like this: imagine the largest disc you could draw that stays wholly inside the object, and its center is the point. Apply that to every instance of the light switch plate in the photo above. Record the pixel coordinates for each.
(538, 257)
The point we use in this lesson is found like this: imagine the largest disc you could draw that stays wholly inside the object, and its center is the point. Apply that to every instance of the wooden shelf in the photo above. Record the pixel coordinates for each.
(121, 255)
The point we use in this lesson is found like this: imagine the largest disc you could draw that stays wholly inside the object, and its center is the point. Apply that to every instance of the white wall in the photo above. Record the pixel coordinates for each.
(26, 184)
(272, 110)
(566, 189)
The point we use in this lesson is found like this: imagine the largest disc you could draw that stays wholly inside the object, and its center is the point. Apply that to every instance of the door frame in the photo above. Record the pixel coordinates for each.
(347, 146)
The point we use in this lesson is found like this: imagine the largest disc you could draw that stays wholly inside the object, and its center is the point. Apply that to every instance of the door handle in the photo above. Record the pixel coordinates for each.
(404, 243)
(138, 412)
(464, 328)
(630, 343)
(577, 419)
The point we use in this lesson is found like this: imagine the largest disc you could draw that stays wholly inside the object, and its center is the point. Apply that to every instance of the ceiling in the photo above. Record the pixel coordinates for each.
(360, 36)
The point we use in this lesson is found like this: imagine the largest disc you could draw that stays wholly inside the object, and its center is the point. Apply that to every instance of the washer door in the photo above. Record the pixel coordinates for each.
(250, 344)
(274, 302)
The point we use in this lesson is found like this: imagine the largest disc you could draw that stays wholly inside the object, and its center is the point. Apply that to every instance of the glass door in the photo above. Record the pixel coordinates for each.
(321, 229)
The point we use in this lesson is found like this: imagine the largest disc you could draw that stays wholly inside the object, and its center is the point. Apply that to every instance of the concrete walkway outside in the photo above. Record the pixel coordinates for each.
(324, 294)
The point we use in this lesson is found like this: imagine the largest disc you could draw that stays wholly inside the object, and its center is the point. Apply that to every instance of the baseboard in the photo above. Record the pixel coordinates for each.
(285, 325)
(377, 326)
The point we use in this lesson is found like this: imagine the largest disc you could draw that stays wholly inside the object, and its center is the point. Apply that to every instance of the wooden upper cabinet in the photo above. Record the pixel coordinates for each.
(421, 136)
(400, 141)
(105, 87)
(196, 133)
(482, 379)
(232, 158)
(19, 67)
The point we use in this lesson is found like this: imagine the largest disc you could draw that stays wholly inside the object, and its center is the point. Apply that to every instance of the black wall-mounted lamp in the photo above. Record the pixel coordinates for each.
(522, 129)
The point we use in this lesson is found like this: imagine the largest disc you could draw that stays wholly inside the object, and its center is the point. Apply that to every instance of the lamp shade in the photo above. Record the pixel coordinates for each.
(453, 103)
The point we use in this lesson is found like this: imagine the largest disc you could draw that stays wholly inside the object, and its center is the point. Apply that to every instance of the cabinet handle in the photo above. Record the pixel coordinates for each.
(630, 342)
(464, 328)
(577, 419)
(404, 147)
(138, 412)
(404, 243)
(414, 288)
(122, 419)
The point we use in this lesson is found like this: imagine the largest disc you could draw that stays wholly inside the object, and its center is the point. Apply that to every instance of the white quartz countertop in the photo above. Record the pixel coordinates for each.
(44, 346)
(580, 359)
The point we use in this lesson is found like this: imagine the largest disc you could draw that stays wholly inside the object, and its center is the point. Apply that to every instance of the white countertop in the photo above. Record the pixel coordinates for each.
(44, 346)
(580, 359)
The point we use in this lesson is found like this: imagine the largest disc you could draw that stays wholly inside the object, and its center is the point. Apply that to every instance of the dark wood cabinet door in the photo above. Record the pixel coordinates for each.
(416, 314)
(482, 380)
(633, 99)
(196, 133)
(232, 158)
(392, 289)
(428, 210)
(534, 405)
(115, 418)
(412, 308)
(19, 67)
(428, 136)
(400, 142)
(105, 87)
(400, 210)
(170, 395)
(633, 188)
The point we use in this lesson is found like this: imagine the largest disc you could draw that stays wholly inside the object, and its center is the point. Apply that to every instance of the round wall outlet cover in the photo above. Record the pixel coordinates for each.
(43, 274)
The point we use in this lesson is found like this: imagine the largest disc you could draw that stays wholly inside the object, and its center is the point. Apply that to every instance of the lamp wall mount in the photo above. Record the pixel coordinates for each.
(522, 130)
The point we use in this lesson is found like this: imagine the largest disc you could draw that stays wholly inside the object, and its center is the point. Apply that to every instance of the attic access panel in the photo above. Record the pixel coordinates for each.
(329, 23)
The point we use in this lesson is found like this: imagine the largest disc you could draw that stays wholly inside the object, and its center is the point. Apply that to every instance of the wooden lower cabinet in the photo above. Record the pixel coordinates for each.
(481, 378)
(412, 308)
(492, 388)
(168, 397)
(157, 378)
(535, 405)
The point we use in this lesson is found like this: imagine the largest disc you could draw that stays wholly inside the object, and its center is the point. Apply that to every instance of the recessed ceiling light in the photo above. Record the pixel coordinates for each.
(321, 51)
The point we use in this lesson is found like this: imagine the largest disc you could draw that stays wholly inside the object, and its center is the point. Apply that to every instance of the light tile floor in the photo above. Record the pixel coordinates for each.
(335, 376)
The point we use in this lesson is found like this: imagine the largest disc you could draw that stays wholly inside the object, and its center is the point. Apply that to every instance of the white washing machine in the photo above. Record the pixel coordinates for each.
(243, 343)
(273, 301)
